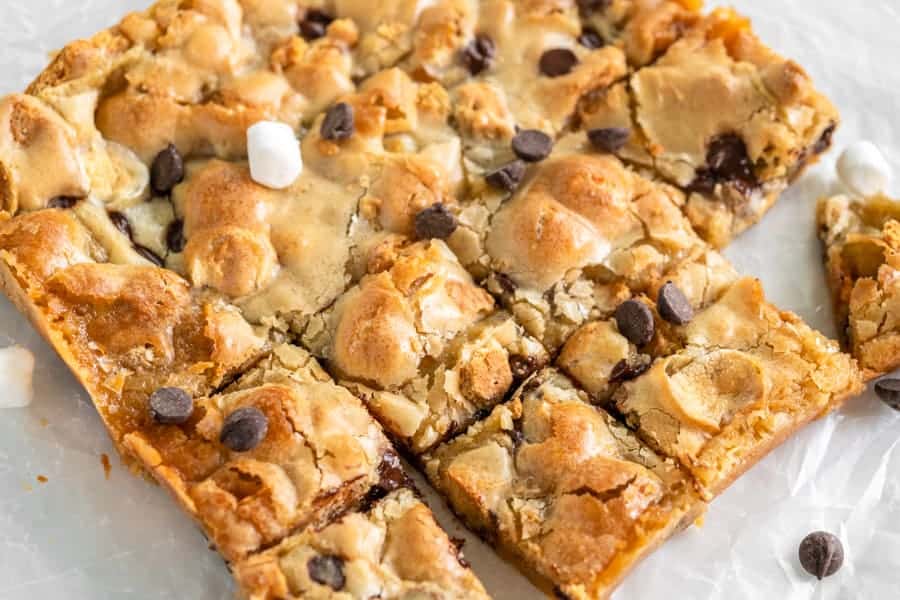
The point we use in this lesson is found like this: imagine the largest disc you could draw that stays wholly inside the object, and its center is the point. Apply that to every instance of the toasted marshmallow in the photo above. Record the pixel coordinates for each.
(274, 154)
(863, 168)
(16, 369)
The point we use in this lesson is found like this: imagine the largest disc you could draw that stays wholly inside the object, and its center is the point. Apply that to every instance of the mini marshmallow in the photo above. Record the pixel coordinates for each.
(16, 369)
(863, 169)
(274, 154)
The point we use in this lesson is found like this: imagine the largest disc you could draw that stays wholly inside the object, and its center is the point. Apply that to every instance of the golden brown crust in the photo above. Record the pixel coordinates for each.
(719, 82)
(321, 453)
(331, 261)
(861, 237)
(394, 549)
(745, 376)
(561, 486)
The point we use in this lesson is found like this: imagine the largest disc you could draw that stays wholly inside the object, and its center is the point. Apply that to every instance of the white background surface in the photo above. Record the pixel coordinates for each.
(81, 537)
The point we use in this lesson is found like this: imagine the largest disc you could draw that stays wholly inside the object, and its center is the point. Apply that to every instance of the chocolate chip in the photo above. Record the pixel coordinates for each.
(62, 202)
(505, 282)
(391, 476)
(888, 390)
(244, 429)
(481, 414)
(121, 223)
(626, 370)
(435, 222)
(319, 16)
(478, 54)
(557, 62)
(591, 38)
(167, 170)
(315, 24)
(175, 236)
(673, 305)
(171, 406)
(338, 123)
(312, 30)
(824, 141)
(609, 139)
(532, 145)
(821, 554)
(727, 161)
(150, 255)
(588, 7)
(327, 569)
(635, 322)
(508, 177)
(522, 366)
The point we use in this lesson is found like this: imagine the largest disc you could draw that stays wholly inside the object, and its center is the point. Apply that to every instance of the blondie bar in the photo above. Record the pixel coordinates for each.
(566, 491)
(721, 388)
(485, 187)
(422, 344)
(862, 240)
(392, 549)
(721, 116)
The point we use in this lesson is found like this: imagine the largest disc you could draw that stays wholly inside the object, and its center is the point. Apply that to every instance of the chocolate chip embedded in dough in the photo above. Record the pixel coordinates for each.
(435, 222)
(167, 170)
(635, 322)
(626, 370)
(327, 570)
(121, 223)
(590, 38)
(175, 239)
(478, 55)
(557, 62)
(244, 429)
(339, 123)
(609, 139)
(532, 145)
(522, 367)
(62, 202)
(673, 305)
(508, 177)
(171, 406)
(150, 255)
(821, 554)
(315, 24)
(727, 161)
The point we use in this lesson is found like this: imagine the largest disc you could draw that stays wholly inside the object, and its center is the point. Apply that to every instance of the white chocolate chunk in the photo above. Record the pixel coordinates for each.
(863, 168)
(16, 369)
(274, 154)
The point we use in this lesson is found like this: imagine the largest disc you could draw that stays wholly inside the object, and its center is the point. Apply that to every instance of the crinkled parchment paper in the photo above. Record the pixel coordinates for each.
(81, 537)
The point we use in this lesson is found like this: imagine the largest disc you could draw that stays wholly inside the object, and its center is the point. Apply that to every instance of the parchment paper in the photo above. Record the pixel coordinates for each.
(81, 537)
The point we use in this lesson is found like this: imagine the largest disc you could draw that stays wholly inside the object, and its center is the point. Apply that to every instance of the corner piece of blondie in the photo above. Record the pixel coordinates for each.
(724, 118)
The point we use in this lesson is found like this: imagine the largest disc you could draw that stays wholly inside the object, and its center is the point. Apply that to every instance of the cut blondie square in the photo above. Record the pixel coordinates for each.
(392, 549)
(721, 116)
(281, 448)
(581, 234)
(719, 390)
(562, 488)
(124, 329)
(862, 256)
(423, 345)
